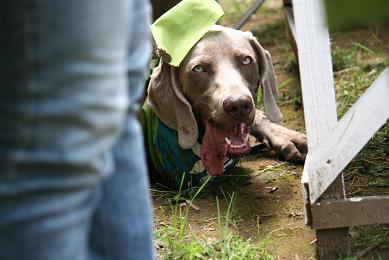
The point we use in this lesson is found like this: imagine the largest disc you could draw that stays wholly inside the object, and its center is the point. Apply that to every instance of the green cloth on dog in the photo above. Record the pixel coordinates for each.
(180, 28)
(171, 161)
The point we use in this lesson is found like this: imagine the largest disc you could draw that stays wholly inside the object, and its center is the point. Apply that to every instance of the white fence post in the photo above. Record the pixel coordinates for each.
(314, 54)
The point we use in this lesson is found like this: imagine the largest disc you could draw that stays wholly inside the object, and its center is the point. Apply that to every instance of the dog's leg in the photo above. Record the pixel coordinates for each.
(290, 144)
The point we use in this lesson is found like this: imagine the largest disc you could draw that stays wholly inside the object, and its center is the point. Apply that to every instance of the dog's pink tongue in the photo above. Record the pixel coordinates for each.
(213, 149)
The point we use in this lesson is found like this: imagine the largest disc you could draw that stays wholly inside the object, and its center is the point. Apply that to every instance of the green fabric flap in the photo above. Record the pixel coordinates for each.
(149, 122)
(178, 30)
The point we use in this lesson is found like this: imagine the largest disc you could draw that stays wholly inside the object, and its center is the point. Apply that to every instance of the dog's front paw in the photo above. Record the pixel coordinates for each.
(290, 144)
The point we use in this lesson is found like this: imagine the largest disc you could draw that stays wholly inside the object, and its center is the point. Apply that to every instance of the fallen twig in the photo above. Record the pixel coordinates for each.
(268, 168)
(193, 206)
(284, 228)
(268, 195)
(351, 69)
(354, 192)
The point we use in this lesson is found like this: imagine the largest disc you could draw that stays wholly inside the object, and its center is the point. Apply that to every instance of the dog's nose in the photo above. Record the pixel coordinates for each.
(238, 108)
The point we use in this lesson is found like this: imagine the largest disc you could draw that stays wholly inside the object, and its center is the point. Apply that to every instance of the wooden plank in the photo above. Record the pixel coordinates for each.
(315, 64)
(332, 243)
(306, 199)
(291, 27)
(314, 54)
(352, 132)
(350, 212)
(288, 10)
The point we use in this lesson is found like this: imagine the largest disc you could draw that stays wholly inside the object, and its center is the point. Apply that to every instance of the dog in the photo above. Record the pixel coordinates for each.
(208, 103)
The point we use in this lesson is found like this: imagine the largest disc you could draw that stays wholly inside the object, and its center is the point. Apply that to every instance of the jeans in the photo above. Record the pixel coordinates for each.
(64, 100)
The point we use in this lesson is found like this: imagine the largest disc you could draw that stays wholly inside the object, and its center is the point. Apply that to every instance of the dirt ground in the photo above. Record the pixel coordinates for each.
(259, 214)
(269, 199)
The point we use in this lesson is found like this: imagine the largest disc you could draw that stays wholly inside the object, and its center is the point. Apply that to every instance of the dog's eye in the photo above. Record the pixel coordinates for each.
(198, 68)
(246, 60)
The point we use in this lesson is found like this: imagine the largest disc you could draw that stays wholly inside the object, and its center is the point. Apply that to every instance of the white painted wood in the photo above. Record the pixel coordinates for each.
(353, 131)
(314, 54)
(315, 64)
(321, 177)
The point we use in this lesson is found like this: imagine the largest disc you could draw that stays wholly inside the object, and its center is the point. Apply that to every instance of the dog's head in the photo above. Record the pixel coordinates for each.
(215, 86)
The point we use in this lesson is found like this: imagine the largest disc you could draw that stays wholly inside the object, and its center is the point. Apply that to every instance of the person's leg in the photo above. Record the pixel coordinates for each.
(122, 224)
(62, 105)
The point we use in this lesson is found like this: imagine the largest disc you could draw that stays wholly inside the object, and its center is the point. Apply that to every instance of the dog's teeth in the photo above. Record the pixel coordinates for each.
(228, 141)
(235, 146)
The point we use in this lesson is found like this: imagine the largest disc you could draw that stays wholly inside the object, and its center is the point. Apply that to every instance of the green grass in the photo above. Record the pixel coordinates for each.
(365, 235)
(229, 246)
(350, 87)
(368, 173)
(174, 243)
(356, 66)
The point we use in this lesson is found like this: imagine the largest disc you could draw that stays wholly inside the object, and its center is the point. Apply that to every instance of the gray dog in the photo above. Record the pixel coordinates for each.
(208, 101)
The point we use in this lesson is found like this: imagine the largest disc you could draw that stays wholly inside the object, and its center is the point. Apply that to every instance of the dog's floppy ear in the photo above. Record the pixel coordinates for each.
(268, 80)
(166, 99)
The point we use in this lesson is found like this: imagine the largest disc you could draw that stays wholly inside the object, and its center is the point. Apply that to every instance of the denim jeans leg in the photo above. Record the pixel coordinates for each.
(122, 226)
(63, 99)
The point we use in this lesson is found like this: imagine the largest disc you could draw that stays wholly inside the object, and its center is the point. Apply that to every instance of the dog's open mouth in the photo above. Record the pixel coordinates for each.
(220, 143)
(237, 140)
